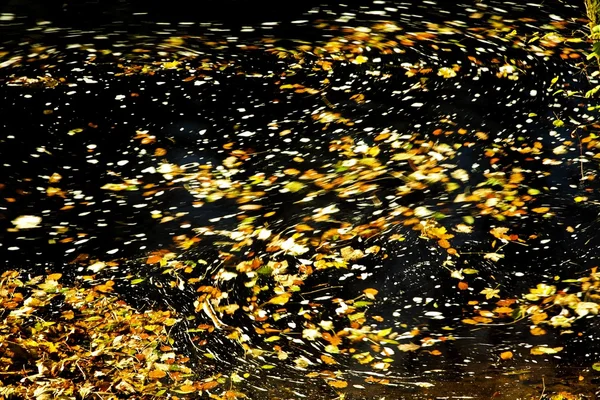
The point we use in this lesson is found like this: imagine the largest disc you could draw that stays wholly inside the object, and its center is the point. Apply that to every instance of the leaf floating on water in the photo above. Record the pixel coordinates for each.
(447, 72)
(337, 384)
(281, 299)
(490, 293)
(350, 254)
(27, 222)
(408, 347)
(294, 186)
(541, 210)
(493, 256)
(541, 350)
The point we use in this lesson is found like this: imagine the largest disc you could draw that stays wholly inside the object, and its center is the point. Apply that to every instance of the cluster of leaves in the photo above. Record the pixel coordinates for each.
(62, 342)
(545, 306)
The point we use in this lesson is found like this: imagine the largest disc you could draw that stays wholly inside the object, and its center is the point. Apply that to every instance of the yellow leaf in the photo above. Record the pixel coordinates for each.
(490, 293)
(360, 60)
(408, 347)
(294, 186)
(370, 293)
(540, 350)
(54, 277)
(281, 299)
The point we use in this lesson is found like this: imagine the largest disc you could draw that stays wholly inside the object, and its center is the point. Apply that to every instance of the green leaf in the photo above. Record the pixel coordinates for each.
(294, 186)
(268, 366)
(265, 270)
(469, 219)
(332, 349)
(596, 366)
(592, 92)
(356, 316)
(384, 332)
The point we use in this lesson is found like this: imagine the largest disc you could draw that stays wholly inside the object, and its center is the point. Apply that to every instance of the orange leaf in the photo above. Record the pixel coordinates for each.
(304, 228)
(187, 388)
(507, 355)
(153, 259)
(208, 385)
(334, 340)
(338, 384)
(444, 243)
(541, 210)
(382, 136)
(537, 318)
(463, 285)
(328, 360)
(537, 331)
(157, 374)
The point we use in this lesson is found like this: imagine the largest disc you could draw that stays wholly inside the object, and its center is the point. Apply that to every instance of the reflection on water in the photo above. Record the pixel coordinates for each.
(354, 202)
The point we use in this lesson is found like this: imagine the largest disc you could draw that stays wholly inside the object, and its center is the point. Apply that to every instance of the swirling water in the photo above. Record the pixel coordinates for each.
(208, 140)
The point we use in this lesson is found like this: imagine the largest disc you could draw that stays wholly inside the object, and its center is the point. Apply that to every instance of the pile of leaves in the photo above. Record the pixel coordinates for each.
(62, 342)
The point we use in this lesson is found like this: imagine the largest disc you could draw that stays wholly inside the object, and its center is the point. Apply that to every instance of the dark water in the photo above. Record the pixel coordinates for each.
(185, 119)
